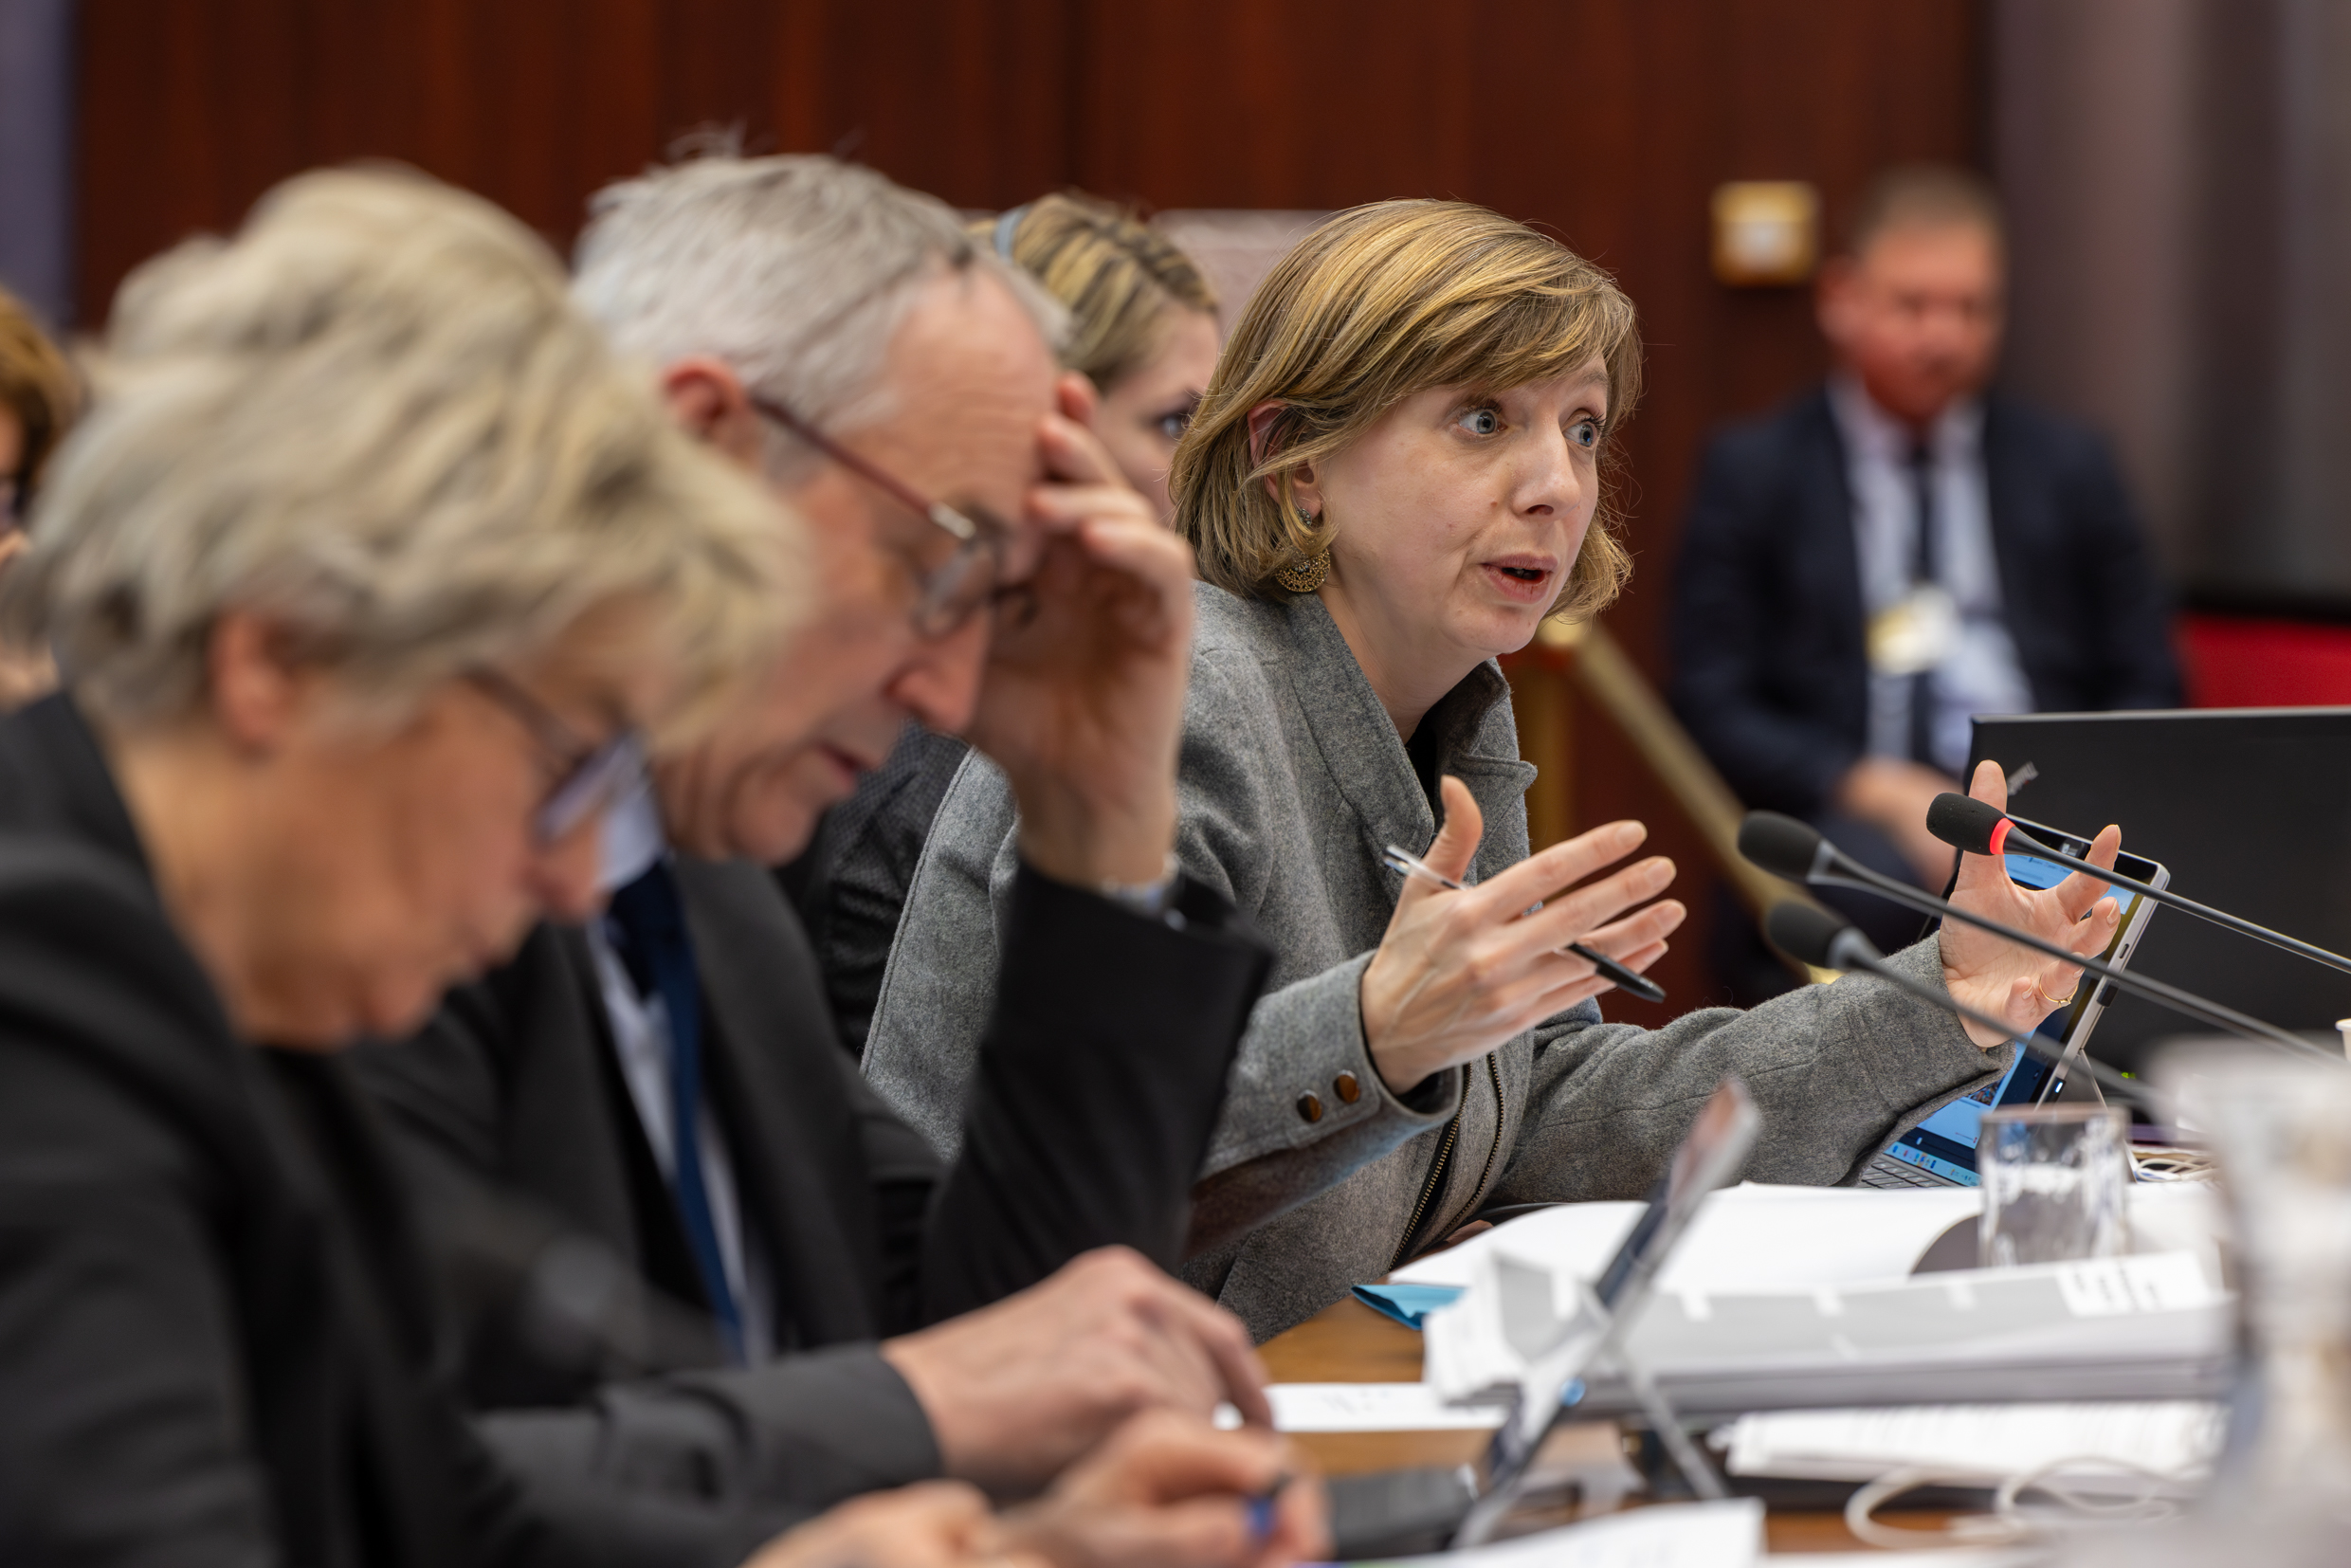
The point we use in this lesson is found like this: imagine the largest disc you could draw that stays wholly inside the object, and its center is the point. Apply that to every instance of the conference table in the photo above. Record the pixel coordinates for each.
(1350, 1343)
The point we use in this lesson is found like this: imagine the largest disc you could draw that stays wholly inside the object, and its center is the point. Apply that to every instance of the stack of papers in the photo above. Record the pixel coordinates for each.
(1982, 1443)
(1754, 1236)
(1795, 1298)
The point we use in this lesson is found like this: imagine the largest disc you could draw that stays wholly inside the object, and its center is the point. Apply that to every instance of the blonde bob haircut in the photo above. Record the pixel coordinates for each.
(374, 419)
(1120, 277)
(1374, 307)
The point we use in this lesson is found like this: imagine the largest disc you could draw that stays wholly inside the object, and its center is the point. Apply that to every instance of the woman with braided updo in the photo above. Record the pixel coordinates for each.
(1142, 323)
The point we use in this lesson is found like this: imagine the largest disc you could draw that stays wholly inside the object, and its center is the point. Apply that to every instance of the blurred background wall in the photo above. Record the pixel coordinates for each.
(2175, 172)
(2178, 173)
(1609, 120)
(37, 80)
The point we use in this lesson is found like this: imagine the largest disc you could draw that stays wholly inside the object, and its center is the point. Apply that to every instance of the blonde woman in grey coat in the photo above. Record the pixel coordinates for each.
(1397, 472)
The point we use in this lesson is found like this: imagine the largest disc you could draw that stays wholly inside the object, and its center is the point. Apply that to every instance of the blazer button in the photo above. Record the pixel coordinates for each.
(1310, 1105)
(1349, 1091)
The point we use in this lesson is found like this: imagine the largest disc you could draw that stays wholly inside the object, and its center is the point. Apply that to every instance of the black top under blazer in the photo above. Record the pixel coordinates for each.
(1771, 670)
(1100, 1078)
(217, 1341)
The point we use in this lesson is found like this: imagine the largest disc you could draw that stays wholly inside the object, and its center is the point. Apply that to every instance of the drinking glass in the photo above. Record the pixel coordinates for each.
(2052, 1184)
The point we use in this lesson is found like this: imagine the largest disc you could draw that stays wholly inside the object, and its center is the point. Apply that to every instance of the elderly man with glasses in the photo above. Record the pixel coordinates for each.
(640, 1144)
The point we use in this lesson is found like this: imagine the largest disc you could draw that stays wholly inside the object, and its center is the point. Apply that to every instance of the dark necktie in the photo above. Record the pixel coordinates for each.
(660, 957)
(1922, 574)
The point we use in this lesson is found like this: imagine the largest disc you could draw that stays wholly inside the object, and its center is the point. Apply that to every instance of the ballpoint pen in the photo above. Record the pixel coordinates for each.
(1262, 1506)
(1616, 974)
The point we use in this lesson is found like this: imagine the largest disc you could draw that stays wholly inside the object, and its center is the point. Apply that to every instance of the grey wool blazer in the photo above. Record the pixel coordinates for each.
(1293, 778)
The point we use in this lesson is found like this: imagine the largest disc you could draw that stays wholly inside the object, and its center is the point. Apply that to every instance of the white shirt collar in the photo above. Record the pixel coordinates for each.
(633, 839)
(1880, 436)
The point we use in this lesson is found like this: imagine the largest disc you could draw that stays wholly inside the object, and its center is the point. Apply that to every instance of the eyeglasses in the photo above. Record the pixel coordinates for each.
(594, 776)
(952, 591)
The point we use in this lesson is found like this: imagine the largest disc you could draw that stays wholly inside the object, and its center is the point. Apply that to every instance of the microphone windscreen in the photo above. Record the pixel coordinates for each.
(1804, 932)
(1967, 824)
(1781, 844)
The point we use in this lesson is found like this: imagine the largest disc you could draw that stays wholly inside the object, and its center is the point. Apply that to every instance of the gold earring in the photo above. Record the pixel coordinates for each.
(1306, 576)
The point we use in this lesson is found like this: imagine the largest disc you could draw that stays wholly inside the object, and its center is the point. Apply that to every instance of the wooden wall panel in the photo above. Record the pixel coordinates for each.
(1607, 120)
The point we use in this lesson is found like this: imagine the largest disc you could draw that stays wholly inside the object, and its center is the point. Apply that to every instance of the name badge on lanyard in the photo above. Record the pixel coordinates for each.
(1915, 633)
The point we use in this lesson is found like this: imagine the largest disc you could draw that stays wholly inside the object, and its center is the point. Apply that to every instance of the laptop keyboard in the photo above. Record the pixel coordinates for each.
(1886, 1170)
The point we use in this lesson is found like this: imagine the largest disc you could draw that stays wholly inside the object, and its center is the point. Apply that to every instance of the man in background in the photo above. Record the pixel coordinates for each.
(1865, 570)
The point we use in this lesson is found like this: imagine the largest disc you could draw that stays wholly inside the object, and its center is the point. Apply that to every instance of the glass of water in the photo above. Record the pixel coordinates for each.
(2052, 1184)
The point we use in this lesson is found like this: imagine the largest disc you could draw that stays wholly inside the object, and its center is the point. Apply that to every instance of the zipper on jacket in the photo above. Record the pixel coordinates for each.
(1493, 1070)
(1444, 1158)
(1437, 1175)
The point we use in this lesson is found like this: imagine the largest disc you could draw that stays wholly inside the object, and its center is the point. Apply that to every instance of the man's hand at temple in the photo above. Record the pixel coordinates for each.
(1170, 1491)
(1017, 1391)
(1892, 793)
(1993, 975)
(1081, 704)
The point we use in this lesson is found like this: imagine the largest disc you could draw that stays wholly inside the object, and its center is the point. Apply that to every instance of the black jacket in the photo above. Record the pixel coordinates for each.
(217, 1345)
(849, 885)
(1771, 668)
(1100, 1078)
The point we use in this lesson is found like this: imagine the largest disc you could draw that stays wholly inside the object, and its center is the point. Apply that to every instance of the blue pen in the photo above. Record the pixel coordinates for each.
(1262, 1507)
(1616, 974)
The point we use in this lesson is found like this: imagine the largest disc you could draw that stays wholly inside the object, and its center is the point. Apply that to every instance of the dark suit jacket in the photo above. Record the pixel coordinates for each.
(1770, 661)
(217, 1345)
(1101, 1077)
(849, 885)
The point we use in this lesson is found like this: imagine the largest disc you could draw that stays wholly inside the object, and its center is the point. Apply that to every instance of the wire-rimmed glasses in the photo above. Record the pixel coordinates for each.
(592, 776)
(952, 591)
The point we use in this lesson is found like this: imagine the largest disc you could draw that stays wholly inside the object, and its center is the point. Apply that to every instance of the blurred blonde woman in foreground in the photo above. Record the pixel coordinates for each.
(1397, 472)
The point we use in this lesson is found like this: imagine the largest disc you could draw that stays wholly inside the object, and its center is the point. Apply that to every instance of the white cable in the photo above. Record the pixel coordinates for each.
(2010, 1523)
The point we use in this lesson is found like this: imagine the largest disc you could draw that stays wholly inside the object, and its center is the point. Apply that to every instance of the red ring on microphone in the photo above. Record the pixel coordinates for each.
(1999, 835)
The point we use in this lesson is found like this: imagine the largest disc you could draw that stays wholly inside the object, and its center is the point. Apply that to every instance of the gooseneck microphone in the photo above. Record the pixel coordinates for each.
(1787, 847)
(1981, 828)
(1813, 936)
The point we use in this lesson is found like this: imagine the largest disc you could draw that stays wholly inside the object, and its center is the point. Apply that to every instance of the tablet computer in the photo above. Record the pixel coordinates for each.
(1941, 1150)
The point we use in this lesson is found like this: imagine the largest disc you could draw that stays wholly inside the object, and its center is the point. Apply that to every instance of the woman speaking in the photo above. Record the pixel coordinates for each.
(1397, 473)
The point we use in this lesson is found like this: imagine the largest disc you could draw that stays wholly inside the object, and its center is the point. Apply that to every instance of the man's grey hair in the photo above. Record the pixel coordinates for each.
(796, 271)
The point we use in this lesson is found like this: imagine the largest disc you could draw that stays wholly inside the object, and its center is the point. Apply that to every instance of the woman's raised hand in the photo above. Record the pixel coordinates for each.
(1993, 975)
(1459, 973)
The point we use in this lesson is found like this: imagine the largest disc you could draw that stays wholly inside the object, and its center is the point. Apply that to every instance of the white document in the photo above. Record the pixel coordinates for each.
(1746, 1237)
(1678, 1535)
(1988, 1443)
(1758, 1237)
(1940, 1556)
(1373, 1407)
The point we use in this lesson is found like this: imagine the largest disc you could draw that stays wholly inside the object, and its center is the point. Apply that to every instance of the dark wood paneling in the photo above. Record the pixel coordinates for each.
(1607, 120)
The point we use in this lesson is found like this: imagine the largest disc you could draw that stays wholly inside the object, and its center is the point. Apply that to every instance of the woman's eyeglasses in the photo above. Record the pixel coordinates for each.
(592, 776)
(953, 591)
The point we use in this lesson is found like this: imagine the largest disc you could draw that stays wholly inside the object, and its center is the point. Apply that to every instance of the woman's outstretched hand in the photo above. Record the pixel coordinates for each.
(1459, 973)
(1993, 975)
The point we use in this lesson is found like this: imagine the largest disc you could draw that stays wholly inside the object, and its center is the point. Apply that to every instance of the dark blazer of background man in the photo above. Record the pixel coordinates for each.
(1770, 626)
